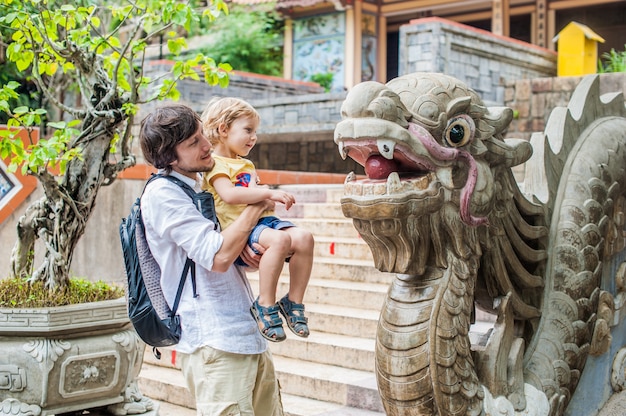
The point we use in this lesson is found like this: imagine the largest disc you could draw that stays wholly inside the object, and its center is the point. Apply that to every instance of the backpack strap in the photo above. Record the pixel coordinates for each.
(202, 200)
(189, 264)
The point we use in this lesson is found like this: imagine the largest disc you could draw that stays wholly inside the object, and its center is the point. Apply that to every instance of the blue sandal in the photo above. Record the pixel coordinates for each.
(294, 314)
(270, 324)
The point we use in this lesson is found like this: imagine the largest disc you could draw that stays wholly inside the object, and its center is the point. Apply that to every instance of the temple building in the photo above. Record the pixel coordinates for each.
(358, 40)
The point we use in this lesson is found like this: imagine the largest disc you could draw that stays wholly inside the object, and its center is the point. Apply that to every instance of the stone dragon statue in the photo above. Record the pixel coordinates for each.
(441, 209)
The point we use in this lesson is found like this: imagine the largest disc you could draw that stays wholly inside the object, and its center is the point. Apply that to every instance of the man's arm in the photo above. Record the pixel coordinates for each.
(233, 195)
(236, 235)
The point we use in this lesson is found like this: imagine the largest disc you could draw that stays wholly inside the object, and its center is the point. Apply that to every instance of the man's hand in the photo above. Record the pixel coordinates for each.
(250, 257)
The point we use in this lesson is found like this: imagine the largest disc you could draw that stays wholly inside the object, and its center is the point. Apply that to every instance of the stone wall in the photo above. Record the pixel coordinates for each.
(534, 99)
(484, 61)
(297, 119)
(242, 84)
(296, 133)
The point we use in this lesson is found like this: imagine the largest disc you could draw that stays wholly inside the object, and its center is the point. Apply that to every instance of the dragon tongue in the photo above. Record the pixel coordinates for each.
(379, 167)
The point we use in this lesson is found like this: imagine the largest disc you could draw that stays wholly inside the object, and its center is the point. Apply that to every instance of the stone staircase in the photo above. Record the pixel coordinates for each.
(331, 371)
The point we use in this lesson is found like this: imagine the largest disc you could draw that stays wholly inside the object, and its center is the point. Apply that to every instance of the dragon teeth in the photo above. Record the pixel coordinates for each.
(386, 148)
(393, 183)
(342, 150)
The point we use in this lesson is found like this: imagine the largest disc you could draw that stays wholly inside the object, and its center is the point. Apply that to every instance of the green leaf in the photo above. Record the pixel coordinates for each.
(57, 124)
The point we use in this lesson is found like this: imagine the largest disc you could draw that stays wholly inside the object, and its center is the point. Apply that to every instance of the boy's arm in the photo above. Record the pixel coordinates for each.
(232, 194)
(236, 235)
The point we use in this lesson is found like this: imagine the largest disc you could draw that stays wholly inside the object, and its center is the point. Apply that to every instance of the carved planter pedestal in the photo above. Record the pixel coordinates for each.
(57, 360)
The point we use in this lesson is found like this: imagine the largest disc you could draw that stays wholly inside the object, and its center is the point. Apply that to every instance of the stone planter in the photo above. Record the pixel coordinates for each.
(63, 359)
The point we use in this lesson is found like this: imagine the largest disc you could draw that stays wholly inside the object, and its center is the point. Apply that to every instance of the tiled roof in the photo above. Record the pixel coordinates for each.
(283, 4)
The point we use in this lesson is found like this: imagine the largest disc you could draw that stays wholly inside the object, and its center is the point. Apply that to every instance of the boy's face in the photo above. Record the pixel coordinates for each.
(194, 155)
(241, 136)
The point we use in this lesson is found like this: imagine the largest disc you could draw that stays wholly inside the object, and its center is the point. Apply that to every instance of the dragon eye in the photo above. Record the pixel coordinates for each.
(460, 131)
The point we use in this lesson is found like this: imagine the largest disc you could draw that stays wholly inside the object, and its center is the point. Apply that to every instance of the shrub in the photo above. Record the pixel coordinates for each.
(613, 61)
(20, 293)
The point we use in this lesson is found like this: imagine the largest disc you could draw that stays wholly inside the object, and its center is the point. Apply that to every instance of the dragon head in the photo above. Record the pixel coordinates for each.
(429, 147)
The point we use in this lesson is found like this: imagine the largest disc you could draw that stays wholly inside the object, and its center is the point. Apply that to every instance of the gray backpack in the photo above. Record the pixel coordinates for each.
(154, 321)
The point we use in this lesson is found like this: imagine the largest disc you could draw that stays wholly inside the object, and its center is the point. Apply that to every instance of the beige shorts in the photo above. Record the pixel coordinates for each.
(226, 384)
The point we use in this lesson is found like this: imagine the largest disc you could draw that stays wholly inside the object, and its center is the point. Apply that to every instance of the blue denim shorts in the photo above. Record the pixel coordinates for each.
(265, 222)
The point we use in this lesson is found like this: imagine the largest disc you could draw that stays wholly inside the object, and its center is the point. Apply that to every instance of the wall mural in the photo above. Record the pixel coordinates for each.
(319, 48)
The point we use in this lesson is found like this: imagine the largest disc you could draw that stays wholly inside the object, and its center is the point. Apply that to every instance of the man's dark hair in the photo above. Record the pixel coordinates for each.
(163, 129)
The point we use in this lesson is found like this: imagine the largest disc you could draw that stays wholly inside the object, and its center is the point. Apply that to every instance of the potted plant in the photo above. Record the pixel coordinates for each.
(88, 61)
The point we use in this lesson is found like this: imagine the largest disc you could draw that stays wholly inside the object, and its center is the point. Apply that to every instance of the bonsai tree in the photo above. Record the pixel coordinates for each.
(87, 60)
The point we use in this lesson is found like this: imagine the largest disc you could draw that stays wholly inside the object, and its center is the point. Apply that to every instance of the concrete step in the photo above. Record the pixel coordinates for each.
(315, 193)
(355, 351)
(330, 227)
(302, 406)
(344, 270)
(342, 320)
(322, 210)
(352, 352)
(169, 409)
(167, 385)
(329, 383)
(292, 405)
(333, 292)
(349, 270)
(342, 247)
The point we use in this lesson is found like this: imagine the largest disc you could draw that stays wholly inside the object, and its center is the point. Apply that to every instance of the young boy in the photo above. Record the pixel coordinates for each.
(230, 124)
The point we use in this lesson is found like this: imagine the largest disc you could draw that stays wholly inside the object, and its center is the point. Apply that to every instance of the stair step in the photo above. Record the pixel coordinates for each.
(343, 270)
(360, 295)
(302, 406)
(351, 270)
(342, 247)
(315, 193)
(329, 227)
(333, 292)
(165, 384)
(342, 320)
(328, 383)
(292, 406)
(352, 352)
(169, 409)
(322, 210)
(348, 391)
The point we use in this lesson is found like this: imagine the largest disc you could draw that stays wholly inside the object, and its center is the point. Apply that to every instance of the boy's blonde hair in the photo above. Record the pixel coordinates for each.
(224, 110)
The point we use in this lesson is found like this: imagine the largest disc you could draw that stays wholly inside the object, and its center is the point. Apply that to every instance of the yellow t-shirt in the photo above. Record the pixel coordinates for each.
(240, 171)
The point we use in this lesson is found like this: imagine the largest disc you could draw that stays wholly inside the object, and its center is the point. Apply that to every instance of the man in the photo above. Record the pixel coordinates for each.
(224, 358)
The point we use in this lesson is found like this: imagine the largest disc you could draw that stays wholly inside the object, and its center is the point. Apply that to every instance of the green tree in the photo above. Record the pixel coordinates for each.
(248, 39)
(87, 60)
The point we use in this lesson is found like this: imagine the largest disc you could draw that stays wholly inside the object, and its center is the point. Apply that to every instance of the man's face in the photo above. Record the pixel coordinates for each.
(194, 155)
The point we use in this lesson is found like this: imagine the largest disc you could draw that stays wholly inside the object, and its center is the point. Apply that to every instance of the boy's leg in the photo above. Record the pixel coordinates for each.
(277, 245)
(301, 262)
(209, 374)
